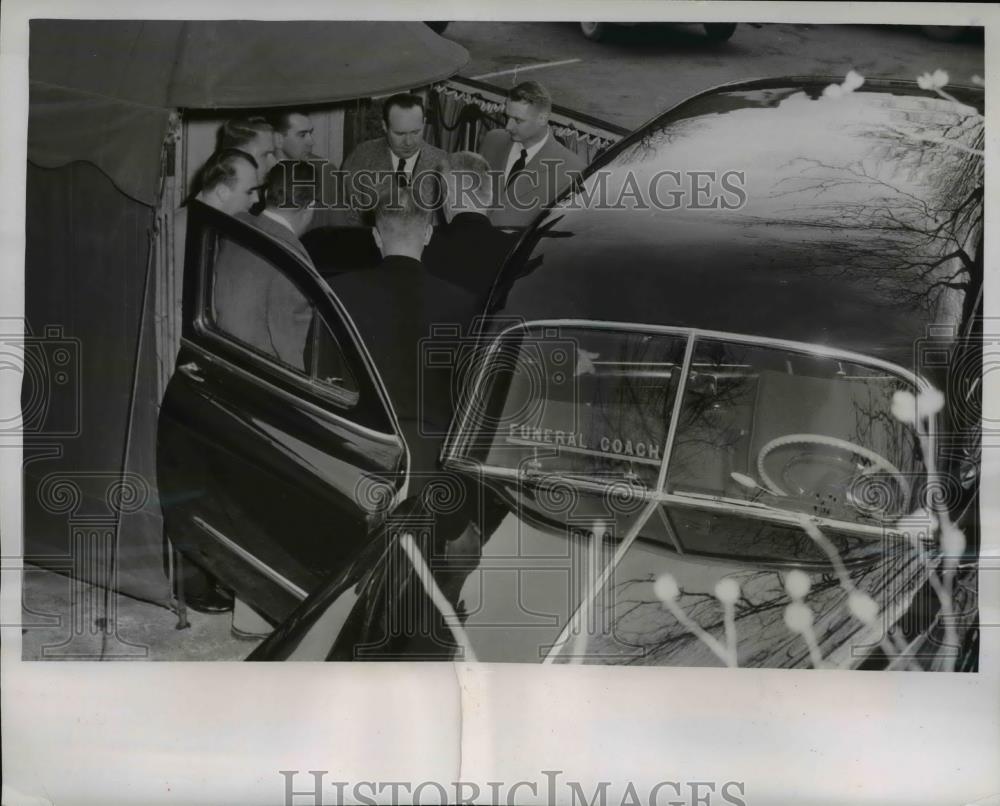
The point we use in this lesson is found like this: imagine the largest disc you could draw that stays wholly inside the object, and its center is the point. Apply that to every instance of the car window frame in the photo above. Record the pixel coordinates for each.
(369, 409)
(453, 457)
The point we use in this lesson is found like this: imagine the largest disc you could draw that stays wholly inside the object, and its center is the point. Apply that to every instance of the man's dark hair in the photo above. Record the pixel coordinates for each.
(220, 168)
(403, 100)
(293, 183)
(533, 93)
(281, 122)
(237, 132)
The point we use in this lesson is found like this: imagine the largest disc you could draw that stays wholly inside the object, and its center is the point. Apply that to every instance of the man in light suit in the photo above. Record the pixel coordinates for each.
(531, 166)
(401, 156)
(254, 301)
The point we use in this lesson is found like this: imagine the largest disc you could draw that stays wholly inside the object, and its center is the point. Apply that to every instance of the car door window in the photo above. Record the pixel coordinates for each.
(256, 303)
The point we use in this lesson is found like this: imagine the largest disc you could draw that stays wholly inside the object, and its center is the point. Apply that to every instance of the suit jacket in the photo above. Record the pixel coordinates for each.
(468, 252)
(373, 155)
(543, 178)
(255, 302)
(395, 306)
(329, 210)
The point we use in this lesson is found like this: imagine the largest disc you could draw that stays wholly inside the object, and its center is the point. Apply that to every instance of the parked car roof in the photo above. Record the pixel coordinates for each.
(849, 218)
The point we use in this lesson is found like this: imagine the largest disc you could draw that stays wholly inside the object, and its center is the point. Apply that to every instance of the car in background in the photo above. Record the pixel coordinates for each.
(945, 33)
(599, 31)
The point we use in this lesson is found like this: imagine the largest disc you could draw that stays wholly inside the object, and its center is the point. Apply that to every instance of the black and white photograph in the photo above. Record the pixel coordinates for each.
(650, 349)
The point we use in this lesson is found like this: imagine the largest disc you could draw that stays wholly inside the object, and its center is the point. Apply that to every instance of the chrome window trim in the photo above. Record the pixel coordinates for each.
(256, 562)
(336, 395)
(229, 366)
(675, 413)
(731, 506)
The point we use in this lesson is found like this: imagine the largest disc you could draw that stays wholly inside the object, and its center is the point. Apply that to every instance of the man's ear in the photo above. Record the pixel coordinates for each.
(385, 129)
(378, 240)
(428, 233)
(223, 191)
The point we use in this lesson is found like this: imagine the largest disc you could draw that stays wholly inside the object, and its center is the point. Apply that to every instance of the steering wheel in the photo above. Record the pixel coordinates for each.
(849, 472)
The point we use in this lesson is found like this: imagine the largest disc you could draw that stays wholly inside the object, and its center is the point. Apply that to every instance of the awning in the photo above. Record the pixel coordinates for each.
(102, 91)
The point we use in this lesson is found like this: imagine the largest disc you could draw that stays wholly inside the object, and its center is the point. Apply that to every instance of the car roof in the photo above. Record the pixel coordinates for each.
(848, 221)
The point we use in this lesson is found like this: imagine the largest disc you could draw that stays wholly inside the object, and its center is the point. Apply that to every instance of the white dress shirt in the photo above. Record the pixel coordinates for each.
(515, 153)
(408, 165)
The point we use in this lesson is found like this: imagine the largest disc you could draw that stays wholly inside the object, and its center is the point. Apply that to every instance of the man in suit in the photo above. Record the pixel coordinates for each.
(254, 301)
(227, 182)
(257, 304)
(531, 166)
(401, 156)
(293, 136)
(399, 308)
(468, 251)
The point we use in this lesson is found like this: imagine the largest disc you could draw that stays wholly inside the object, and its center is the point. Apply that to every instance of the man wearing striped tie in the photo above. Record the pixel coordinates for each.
(530, 166)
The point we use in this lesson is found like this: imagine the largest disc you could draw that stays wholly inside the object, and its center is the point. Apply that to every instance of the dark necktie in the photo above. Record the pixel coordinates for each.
(518, 166)
(401, 172)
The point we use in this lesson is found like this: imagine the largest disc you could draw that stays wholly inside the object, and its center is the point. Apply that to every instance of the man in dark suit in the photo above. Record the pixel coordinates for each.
(294, 139)
(254, 301)
(468, 251)
(399, 309)
(401, 156)
(531, 166)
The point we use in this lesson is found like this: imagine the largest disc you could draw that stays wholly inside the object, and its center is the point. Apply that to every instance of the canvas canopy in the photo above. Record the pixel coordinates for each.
(102, 91)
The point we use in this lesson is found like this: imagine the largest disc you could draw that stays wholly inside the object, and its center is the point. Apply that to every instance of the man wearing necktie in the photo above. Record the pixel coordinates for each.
(533, 167)
(401, 155)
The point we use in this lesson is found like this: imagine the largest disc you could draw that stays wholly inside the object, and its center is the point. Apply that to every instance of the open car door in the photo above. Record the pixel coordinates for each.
(277, 445)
